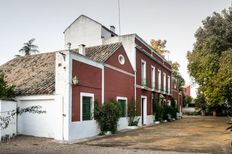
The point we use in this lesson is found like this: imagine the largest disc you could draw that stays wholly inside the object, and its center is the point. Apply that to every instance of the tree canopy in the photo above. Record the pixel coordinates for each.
(6, 92)
(29, 48)
(210, 61)
(176, 74)
(159, 46)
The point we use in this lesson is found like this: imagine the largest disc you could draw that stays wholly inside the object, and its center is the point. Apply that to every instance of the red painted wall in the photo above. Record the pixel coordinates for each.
(141, 92)
(139, 43)
(113, 60)
(186, 90)
(118, 83)
(149, 63)
(90, 81)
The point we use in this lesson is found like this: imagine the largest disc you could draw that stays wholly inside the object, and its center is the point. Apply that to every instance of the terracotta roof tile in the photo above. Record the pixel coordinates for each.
(35, 74)
(32, 75)
(102, 52)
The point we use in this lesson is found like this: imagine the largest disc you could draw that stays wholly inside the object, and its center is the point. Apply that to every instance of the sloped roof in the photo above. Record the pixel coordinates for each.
(35, 74)
(32, 75)
(102, 52)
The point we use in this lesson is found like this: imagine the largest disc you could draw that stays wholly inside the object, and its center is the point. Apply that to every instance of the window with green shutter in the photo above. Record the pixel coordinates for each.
(86, 108)
(123, 107)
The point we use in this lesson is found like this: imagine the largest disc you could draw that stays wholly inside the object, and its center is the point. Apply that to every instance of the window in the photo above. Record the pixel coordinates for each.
(87, 106)
(164, 82)
(143, 72)
(121, 59)
(123, 103)
(152, 77)
(169, 85)
(159, 80)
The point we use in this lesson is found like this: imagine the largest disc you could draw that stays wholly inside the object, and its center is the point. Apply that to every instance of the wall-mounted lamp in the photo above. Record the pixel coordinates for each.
(75, 80)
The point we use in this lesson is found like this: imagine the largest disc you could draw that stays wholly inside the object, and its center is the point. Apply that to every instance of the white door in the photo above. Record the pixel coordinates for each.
(144, 110)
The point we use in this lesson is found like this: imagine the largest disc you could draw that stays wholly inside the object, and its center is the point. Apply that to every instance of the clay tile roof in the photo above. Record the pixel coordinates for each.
(103, 52)
(32, 75)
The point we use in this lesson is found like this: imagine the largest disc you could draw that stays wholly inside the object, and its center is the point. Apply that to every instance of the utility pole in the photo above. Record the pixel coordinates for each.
(119, 18)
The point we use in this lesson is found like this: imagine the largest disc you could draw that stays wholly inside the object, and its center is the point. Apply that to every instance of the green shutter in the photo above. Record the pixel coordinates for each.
(123, 107)
(86, 108)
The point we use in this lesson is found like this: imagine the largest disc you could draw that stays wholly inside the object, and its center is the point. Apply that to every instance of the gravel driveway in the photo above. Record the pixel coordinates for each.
(195, 134)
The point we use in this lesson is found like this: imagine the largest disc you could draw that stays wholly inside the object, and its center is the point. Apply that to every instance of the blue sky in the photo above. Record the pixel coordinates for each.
(45, 20)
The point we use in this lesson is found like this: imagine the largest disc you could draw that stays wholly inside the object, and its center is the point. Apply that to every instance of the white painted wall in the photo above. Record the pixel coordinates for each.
(41, 125)
(83, 31)
(83, 129)
(105, 33)
(6, 106)
(123, 123)
(150, 119)
(128, 42)
(63, 90)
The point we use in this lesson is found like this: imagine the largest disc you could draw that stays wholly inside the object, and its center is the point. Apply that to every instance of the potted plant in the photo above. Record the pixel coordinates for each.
(133, 118)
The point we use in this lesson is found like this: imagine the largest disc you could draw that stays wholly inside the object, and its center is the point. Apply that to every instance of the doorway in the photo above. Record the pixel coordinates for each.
(144, 109)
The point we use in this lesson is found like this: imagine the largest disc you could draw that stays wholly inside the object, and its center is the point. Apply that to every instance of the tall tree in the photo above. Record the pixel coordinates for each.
(29, 48)
(210, 61)
(176, 74)
(159, 46)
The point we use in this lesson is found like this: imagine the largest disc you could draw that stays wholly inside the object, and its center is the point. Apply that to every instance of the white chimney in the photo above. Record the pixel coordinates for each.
(112, 28)
(82, 49)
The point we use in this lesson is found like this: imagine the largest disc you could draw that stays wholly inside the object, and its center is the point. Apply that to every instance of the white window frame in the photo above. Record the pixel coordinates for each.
(143, 75)
(123, 98)
(159, 79)
(153, 76)
(169, 84)
(164, 82)
(83, 94)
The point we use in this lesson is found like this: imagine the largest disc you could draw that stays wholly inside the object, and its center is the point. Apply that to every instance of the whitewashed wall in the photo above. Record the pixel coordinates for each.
(6, 106)
(41, 125)
(83, 31)
(128, 42)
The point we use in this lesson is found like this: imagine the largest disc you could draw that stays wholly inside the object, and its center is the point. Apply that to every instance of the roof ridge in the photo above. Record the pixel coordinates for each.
(82, 15)
(102, 45)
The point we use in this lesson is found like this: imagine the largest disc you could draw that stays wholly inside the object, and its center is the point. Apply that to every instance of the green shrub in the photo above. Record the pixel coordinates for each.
(169, 113)
(132, 114)
(158, 114)
(107, 116)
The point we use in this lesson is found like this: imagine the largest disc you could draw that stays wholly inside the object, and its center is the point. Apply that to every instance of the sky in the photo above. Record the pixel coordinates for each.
(45, 20)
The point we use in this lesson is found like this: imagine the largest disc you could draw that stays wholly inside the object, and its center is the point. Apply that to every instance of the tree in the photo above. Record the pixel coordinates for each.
(29, 48)
(210, 61)
(6, 92)
(188, 100)
(176, 74)
(159, 46)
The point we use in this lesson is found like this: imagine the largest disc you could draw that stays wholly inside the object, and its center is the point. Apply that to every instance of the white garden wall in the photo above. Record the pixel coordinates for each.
(6, 108)
(41, 125)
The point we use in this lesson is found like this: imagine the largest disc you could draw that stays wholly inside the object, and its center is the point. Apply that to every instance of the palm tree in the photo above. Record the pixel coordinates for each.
(29, 47)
